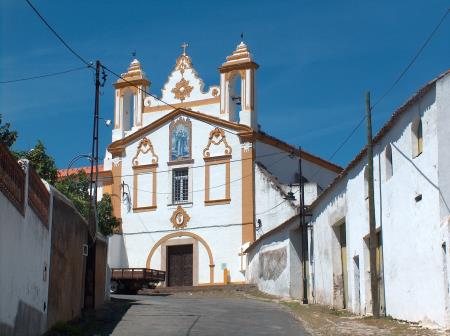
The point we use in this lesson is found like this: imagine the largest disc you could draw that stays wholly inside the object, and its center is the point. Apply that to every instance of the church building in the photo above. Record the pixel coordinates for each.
(193, 178)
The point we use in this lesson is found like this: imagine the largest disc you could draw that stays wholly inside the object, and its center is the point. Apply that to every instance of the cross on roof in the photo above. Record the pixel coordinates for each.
(184, 46)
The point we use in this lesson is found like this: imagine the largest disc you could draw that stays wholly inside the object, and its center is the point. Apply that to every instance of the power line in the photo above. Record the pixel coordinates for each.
(77, 55)
(188, 228)
(44, 76)
(193, 167)
(413, 60)
(402, 74)
(213, 187)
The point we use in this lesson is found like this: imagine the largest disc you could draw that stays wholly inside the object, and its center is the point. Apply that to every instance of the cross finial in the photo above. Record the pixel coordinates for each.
(242, 37)
(133, 53)
(184, 46)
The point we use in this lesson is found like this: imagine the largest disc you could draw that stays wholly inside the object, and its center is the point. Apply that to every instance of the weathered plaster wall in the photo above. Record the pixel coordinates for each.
(414, 284)
(274, 262)
(24, 256)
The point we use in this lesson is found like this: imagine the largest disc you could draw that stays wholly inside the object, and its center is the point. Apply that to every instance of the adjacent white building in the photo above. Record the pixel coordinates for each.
(412, 205)
(192, 177)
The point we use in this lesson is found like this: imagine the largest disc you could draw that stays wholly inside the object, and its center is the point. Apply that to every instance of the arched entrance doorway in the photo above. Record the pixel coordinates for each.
(164, 243)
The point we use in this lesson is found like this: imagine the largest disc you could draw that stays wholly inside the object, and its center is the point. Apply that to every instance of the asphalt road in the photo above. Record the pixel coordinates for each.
(171, 315)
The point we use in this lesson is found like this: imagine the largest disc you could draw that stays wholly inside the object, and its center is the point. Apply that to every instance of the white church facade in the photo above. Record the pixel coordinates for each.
(193, 179)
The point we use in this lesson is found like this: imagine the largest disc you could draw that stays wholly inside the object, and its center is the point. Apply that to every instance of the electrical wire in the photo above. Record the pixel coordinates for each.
(413, 60)
(394, 84)
(77, 55)
(214, 187)
(44, 76)
(190, 228)
(193, 167)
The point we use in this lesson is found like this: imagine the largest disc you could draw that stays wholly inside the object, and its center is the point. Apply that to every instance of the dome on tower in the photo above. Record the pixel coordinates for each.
(134, 72)
(240, 55)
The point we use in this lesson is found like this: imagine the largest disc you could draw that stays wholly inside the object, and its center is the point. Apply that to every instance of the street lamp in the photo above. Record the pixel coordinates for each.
(76, 158)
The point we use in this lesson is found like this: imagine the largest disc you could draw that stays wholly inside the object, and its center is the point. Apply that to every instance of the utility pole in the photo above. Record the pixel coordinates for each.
(89, 291)
(303, 227)
(372, 232)
(94, 153)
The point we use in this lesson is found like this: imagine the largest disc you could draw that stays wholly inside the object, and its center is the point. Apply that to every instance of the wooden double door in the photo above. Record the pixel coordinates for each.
(180, 265)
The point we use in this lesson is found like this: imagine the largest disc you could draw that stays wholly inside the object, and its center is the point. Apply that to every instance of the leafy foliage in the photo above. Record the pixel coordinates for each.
(106, 221)
(76, 188)
(41, 162)
(7, 136)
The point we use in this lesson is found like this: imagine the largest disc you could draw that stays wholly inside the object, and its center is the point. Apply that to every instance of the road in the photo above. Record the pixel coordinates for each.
(171, 315)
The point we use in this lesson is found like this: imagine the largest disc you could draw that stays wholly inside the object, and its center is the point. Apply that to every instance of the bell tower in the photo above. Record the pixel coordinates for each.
(237, 85)
(129, 100)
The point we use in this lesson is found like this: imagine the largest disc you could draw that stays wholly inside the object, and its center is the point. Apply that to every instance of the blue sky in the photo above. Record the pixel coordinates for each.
(317, 58)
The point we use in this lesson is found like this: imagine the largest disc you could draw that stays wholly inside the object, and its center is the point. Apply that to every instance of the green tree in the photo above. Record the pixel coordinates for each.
(106, 220)
(41, 162)
(7, 136)
(76, 188)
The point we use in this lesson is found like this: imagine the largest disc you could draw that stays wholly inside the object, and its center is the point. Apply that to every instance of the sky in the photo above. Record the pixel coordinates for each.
(317, 59)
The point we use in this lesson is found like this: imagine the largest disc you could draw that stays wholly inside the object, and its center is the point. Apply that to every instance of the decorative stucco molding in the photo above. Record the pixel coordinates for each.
(145, 146)
(216, 137)
(179, 218)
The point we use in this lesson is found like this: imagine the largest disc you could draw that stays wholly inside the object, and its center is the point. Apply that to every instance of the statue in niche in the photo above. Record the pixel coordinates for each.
(180, 142)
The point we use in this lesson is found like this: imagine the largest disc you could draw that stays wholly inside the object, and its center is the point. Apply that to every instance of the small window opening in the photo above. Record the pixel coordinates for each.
(417, 137)
(389, 166)
(366, 183)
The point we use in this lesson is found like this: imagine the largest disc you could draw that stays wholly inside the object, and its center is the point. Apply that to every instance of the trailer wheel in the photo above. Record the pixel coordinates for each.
(114, 287)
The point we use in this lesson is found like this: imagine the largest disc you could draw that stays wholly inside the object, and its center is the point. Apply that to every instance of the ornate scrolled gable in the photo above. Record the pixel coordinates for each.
(145, 146)
(217, 137)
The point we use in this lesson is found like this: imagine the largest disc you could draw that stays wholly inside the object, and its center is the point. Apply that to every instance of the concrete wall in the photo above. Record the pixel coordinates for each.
(101, 255)
(24, 260)
(67, 264)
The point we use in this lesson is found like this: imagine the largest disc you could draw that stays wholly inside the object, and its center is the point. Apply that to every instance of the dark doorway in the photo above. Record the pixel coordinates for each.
(180, 264)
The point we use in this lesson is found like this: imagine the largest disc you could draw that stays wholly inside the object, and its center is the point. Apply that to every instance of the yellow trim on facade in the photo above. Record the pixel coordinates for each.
(183, 234)
(248, 194)
(144, 169)
(194, 103)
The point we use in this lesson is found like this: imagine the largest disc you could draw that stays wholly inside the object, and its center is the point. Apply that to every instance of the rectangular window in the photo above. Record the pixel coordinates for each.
(180, 185)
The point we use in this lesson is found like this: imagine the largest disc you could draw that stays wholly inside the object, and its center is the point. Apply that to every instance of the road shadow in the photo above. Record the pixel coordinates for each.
(102, 321)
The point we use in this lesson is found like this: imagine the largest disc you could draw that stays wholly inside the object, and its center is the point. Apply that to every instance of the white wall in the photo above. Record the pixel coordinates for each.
(274, 262)
(285, 167)
(24, 253)
(219, 225)
(414, 262)
(271, 207)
